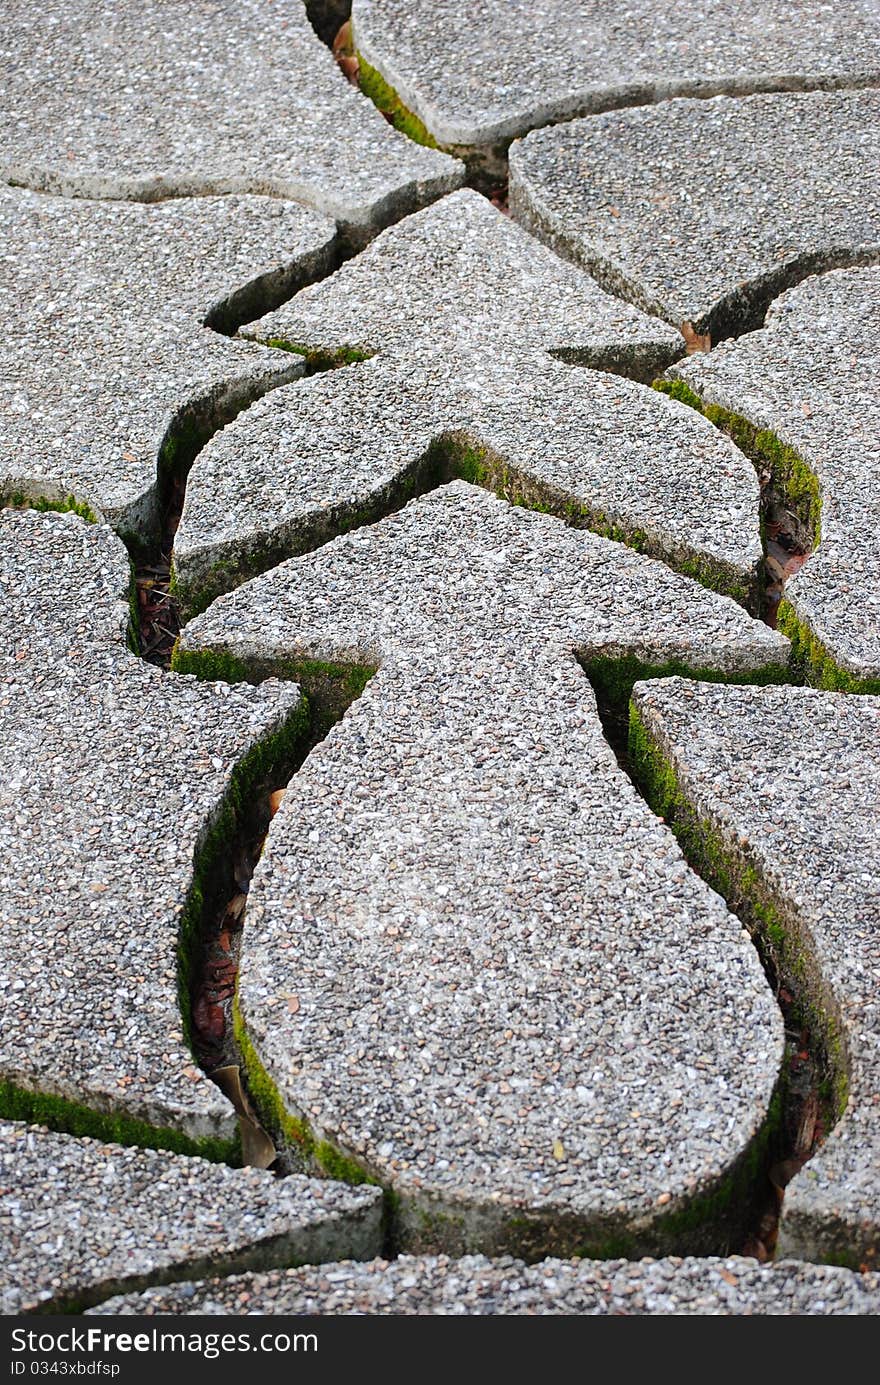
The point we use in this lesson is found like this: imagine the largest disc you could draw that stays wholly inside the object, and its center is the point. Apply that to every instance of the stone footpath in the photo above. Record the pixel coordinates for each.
(556, 971)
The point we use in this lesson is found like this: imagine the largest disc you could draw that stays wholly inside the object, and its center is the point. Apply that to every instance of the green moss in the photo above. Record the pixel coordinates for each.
(320, 358)
(17, 500)
(812, 660)
(113, 1127)
(374, 86)
(738, 879)
(790, 473)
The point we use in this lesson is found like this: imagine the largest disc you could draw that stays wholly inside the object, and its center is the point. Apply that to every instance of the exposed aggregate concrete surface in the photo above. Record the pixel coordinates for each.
(176, 98)
(468, 316)
(475, 967)
(111, 774)
(82, 1220)
(789, 780)
(811, 376)
(479, 71)
(464, 958)
(701, 211)
(475, 1285)
(105, 348)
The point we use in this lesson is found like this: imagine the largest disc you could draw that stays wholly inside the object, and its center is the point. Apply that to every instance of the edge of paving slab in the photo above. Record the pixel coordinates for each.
(730, 867)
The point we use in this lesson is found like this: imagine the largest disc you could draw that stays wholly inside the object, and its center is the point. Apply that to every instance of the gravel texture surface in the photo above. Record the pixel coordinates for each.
(475, 1285)
(105, 347)
(81, 1220)
(789, 780)
(468, 316)
(812, 376)
(701, 211)
(176, 98)
(478, 72)
(473, 959)
(111, 772)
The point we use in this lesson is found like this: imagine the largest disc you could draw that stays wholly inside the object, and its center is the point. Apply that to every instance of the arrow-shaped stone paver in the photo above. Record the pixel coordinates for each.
(811, 377)
(477, 74)
(116, 788)
(780, 787)
(170, 98)
(702, 211)
(81, 1220)
(475, 1285)
(467, 314)
(105, 359)
(473, 962)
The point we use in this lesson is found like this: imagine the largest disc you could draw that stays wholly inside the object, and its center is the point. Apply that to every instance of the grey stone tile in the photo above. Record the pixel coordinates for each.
(170, 98)
(479, 73)
(701, 211)
(475, 1285)
(472, 959)
(82, 1220)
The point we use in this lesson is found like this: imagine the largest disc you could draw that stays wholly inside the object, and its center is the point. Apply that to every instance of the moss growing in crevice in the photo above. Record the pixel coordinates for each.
(113, 1127)
(385, 98)
(318, 359)
(791, 478)
(812, 660)
(735, 873)
(45, 504)
(266, 764)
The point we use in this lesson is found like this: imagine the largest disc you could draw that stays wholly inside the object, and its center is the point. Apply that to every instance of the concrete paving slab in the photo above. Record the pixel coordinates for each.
(477, 74)
(107, 365)
(702, 211)
(474, 964)
(811, 377)
(82, 1220)
(169, 98)
(785, 784)
(115, 790)
(468, 316)
(475, 1285)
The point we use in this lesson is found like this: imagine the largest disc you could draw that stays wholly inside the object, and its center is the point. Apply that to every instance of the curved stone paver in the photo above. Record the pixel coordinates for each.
(477, 1286)
(700, 211)
(812, 377)
(467, 314)
(104, 344)
(787, 782)
(111, 775)
(473, 960)
(81, 1220)
(481, 72)
(177, 98)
